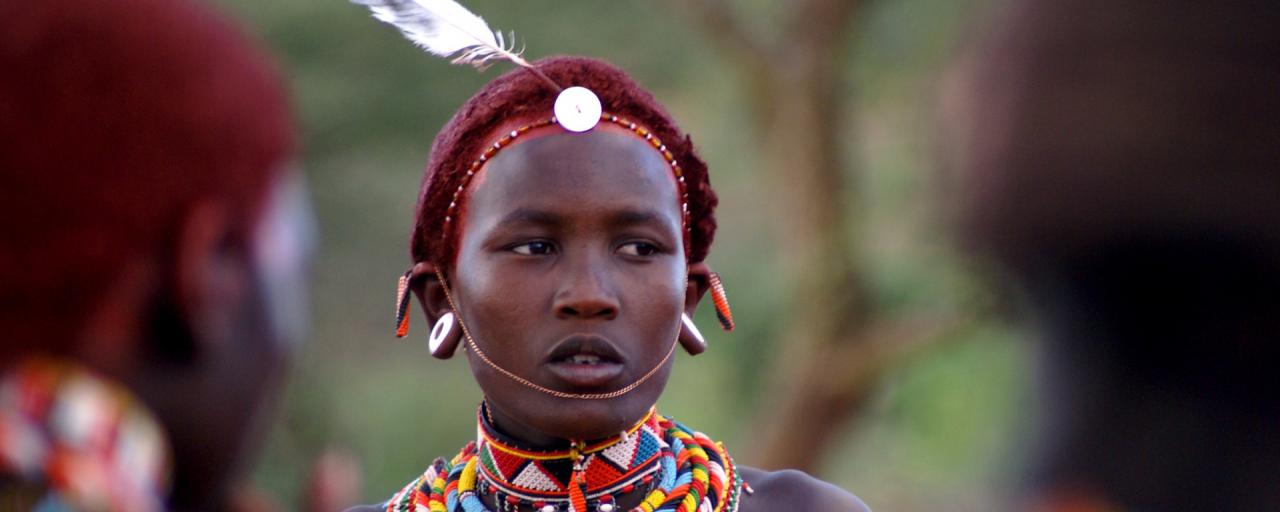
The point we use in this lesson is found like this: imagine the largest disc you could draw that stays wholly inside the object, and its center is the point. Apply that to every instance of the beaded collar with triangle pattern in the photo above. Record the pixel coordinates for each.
(678, 469)
(618, 464)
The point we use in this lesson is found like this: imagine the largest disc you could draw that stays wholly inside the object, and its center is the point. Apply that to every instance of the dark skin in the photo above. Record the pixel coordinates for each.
(581, 233)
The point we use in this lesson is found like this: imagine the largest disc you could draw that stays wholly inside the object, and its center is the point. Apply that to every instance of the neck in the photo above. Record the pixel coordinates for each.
(510, 431)
(518, 433)
(1164, 454)
(1158, 370)
(1151, 440)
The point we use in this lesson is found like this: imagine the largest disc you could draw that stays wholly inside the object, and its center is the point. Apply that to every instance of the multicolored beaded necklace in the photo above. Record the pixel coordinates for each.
(75, 441)
(679, 470)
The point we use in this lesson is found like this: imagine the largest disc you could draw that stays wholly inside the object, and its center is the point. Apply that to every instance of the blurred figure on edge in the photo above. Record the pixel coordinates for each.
(1119, 162)
(153, 252)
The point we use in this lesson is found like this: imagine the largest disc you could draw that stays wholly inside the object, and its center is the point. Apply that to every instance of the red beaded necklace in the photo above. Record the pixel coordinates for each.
(592, 471)
(677, 469)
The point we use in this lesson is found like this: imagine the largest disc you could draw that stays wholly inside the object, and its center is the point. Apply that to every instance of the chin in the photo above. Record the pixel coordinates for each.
(567, 418)
(585, 420)
(593, 419)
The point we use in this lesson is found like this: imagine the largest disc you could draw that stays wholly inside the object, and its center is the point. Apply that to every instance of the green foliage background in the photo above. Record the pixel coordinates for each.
(940, 430)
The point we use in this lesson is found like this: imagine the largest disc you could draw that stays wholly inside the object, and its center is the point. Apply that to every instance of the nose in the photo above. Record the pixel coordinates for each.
(586, 294)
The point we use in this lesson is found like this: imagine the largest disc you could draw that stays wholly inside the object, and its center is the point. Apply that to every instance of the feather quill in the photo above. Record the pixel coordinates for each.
(447, 29)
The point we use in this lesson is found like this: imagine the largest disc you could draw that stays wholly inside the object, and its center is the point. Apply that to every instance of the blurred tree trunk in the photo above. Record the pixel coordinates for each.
(834, 346)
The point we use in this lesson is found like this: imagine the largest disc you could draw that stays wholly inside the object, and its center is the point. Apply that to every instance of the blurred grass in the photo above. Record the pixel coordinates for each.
(938, 432)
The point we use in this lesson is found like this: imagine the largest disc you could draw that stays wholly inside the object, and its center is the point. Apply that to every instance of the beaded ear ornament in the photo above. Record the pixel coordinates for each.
(721, 302)
(402, 304)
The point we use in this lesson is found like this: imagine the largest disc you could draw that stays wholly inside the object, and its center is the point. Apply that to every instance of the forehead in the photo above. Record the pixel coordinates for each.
(590, 172)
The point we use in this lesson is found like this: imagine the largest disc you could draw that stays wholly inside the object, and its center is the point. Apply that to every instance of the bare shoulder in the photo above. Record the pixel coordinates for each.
(795, 490)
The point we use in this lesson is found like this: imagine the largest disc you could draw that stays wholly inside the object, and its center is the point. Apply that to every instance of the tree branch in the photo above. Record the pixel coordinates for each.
(839, 379)
(820, 22)
(720, 25)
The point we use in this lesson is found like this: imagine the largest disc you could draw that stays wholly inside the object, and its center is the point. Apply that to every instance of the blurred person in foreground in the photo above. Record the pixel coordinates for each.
(1119, 161)
(152, 257)
(560, 239)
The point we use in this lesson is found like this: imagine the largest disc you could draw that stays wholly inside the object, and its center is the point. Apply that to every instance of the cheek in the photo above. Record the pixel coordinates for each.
(656, 293)
(498, 303)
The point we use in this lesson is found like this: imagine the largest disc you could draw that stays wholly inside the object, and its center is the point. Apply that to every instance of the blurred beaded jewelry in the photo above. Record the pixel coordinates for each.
(59, 416)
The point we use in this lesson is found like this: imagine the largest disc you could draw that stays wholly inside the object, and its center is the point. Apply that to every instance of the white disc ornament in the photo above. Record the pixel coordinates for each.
(578, 109)
(440, 331)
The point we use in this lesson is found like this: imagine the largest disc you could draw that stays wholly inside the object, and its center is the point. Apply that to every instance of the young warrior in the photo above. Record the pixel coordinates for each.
(560, 238)
(151, 263)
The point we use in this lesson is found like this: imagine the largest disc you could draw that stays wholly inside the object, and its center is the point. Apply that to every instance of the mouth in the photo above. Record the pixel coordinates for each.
(585, 361)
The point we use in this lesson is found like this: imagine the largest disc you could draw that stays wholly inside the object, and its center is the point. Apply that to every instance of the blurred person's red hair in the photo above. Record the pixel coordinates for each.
(115, 118)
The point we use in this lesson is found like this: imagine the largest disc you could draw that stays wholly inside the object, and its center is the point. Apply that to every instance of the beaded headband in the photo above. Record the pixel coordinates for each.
(510, 138)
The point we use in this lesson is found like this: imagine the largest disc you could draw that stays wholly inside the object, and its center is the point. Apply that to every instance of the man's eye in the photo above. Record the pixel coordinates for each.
(534, 248)
(638, 249)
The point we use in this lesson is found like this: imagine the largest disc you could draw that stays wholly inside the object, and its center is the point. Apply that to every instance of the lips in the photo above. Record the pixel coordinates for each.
(585, 361)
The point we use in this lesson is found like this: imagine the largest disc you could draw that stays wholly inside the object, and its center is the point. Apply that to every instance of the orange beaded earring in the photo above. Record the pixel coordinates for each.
(402, 305)
(443, 340)
(723, 313)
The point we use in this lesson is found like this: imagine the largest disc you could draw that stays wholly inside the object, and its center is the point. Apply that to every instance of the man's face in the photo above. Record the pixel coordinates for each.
(571, 273)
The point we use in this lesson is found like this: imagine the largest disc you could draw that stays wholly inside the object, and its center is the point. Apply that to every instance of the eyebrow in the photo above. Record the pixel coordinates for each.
(634, 217)
(546, 218)
(532, 216)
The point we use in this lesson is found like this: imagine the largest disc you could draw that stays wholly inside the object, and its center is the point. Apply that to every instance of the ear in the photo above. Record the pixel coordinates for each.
(425, 282)
(209, 282)
(699, 281)
(446, 333)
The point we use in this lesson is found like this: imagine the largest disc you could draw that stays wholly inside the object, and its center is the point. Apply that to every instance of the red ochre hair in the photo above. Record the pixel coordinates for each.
(521, 95)
(115, 118)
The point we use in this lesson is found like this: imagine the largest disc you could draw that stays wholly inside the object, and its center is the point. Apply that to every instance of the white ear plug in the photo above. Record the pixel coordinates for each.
(439, 332)
(693, 329)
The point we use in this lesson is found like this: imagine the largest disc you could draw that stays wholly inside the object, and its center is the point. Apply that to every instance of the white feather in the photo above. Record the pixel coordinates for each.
(446, 28)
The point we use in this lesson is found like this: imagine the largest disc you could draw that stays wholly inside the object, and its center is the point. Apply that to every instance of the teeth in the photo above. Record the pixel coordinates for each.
(584, 359)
